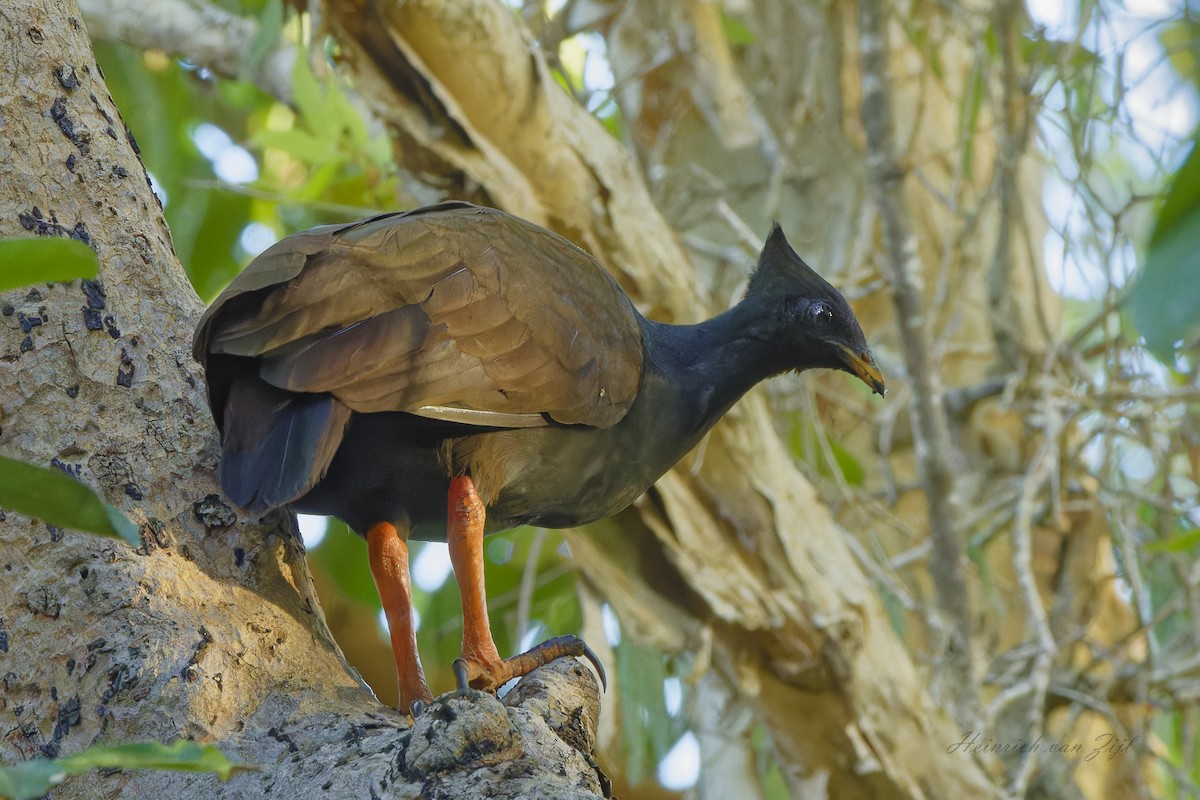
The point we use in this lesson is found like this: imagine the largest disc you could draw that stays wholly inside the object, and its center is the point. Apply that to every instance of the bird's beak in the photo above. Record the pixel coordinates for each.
(863, 365)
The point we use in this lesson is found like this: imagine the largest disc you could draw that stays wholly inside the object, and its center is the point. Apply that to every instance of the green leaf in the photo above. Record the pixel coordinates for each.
(968, 117)
(182, 755)
(640, 674)
(851, 468)
(805, 447)
(302, 144)
(1182, 542)
(27, 260)
(736, 32)
(1183, 199)
(1167, 292)
(343, 553)
(53, 497)
(270, 26)
(32, 779)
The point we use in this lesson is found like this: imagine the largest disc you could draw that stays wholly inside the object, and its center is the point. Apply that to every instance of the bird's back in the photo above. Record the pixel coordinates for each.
(454, 313)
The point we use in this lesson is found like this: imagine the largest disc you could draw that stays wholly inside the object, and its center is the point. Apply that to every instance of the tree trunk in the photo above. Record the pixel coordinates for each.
(210, 630)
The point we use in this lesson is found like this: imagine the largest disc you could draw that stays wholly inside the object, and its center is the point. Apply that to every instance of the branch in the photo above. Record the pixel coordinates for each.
(199, 32)
(937, 455)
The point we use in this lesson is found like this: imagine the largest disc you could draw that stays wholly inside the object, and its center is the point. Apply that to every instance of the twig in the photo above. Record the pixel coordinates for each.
(199, 31)
(1039, 674)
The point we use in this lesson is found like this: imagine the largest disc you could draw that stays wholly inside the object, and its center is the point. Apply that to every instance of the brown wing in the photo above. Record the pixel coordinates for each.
(453, 311)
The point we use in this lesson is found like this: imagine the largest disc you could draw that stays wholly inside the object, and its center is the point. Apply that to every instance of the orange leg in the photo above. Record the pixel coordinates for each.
(480, 665)
(388, 552)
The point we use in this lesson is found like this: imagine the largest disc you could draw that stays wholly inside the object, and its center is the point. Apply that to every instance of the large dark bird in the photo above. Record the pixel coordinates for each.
(454, 371)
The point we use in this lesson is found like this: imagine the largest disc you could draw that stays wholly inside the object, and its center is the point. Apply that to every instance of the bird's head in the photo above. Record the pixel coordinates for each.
(808, 321)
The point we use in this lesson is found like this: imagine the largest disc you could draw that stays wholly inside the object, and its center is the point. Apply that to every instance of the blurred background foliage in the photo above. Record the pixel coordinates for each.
(237, 168)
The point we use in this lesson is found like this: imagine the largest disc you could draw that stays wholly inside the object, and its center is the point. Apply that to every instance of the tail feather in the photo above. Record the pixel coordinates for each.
(277, 444)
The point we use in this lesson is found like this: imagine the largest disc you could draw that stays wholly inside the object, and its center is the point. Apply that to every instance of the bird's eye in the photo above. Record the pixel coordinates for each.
(820, 312)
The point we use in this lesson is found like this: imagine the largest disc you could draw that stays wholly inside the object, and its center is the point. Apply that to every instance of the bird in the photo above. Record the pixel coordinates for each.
(452, 371)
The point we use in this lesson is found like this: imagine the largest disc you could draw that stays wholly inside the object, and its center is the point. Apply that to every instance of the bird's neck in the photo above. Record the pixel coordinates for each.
(710, 365)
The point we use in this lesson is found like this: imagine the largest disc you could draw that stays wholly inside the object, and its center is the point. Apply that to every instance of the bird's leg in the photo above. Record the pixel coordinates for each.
(480, 665)
(388, 552)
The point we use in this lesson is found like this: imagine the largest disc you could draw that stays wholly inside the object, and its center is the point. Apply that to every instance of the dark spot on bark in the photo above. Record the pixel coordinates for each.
(132, 141)
(35, 34)
(153, 534)
(444, 712)
(119, 172)
(120, 678)
(33, 296)
(239, 556)
(66, 76)
(80, 233)
(133, 492)
(58, 113)
(44, 602)
(68, 717)
(26, 344)
(280, 736)
(94, 292)
(213, 513)
(3, 638)
(125, 371)
(7, 310)
(28, 323)
(110, 325)
(71, 162)
(325, 786)
(73, 391)
(56, 533)
(74, 470)
(99, 108)
(28, 221)
(96, 644)
(112, 133)
(92, 319)
(70, 666)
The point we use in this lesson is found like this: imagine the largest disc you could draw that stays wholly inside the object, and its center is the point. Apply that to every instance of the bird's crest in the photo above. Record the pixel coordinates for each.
(780, 269)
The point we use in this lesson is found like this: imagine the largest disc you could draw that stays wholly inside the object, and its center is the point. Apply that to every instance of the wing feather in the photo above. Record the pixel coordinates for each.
(454, 311)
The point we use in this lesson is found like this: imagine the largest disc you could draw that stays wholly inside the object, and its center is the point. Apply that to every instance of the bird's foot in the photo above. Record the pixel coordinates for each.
(475, 673)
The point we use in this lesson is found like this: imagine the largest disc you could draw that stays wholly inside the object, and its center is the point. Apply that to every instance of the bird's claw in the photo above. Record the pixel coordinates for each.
(470, 674)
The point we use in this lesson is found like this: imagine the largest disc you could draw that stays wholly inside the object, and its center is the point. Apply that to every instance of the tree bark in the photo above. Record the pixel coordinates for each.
(211, 629)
